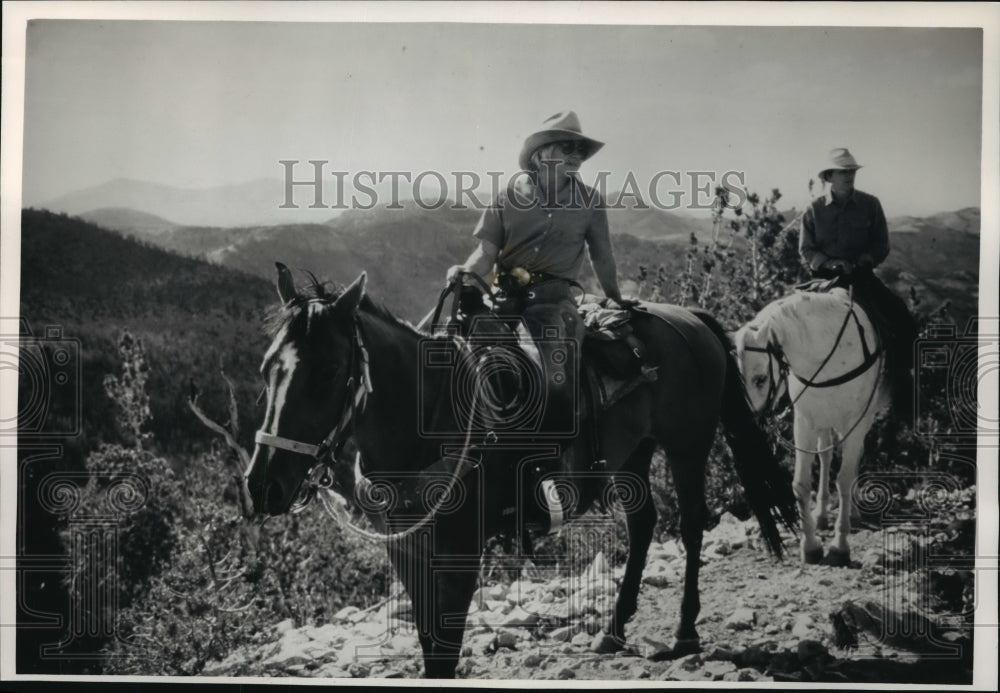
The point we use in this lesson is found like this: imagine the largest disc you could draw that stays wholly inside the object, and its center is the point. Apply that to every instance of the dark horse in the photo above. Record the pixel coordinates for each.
(339, 361)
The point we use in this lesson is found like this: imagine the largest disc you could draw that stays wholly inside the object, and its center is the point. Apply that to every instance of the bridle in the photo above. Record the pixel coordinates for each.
(318, 480)
(774, 386)
(320, 474)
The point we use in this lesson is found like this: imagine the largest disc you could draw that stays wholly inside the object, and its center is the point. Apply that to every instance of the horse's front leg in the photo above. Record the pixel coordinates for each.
(452, 595)
(440, 599)
(805, 436)
(641, 520)
(840, 553)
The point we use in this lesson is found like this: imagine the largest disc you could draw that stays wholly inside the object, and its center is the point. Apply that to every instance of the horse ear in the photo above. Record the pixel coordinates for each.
(351, 298)
(286, 287)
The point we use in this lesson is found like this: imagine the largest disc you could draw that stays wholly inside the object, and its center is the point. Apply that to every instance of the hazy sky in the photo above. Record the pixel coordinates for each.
(206, 104)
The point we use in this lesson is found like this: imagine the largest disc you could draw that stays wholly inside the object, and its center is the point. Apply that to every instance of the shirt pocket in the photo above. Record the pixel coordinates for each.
(857, 233)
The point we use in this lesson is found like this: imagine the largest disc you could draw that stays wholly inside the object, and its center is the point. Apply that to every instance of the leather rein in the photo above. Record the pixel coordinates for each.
(320, 474)
(318, 480)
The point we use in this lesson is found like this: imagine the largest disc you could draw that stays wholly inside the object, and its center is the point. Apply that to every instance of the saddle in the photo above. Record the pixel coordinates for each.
(613, 357)
(879, 318)
(612, 365)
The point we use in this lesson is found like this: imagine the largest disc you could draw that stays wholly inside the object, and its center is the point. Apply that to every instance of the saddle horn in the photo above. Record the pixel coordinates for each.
(286, 286)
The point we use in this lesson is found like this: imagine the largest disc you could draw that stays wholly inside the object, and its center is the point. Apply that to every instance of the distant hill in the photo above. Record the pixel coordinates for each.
(193, 317)
(657, 225)
(243, 204)
(128, 221)
(407, 251)
(966, 220)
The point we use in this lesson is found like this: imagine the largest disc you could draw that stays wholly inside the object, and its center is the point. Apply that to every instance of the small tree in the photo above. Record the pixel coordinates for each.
(128, 390)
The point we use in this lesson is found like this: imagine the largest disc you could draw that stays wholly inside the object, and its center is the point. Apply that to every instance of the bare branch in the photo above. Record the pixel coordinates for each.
(218, 428)
(243, 462)
(234, 416)
(237, 609)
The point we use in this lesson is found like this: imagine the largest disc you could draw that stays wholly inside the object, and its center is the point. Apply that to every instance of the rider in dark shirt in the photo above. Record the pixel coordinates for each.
(844, 234)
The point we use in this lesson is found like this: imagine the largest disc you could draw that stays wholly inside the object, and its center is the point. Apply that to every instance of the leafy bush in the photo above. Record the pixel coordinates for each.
(193, 580)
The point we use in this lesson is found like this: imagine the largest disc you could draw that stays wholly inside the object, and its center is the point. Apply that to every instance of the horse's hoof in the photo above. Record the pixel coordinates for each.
(838, 558)
(813, 556)
(686, 646)
(681, 648)
(605, 643)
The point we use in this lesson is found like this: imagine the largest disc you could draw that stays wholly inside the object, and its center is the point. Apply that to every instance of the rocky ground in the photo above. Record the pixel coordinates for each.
(892, 616)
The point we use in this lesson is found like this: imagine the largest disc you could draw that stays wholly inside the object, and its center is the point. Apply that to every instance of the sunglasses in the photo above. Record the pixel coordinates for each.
(571, 147)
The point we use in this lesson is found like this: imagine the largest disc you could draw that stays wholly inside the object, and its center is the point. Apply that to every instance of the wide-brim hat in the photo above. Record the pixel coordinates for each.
(561, 127)
(839, 160)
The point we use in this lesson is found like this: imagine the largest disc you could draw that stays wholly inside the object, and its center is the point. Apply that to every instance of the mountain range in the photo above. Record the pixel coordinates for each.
(197, 295)
(407, 250)
(241, 204)
(133, 205)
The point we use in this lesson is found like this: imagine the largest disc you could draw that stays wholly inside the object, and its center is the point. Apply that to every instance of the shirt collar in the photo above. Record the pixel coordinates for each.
(527, 187)
(829, 196)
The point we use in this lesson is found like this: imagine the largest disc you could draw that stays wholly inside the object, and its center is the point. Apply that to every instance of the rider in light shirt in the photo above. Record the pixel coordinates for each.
(535, 233)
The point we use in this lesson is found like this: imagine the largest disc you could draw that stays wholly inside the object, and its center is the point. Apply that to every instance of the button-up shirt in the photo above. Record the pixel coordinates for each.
(544, 235)
(843, 230)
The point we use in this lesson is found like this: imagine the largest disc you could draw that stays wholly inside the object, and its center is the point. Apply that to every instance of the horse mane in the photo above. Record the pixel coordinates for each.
(317, 297)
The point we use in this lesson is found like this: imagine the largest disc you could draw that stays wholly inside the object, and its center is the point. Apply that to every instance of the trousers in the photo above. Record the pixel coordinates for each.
(550, 315)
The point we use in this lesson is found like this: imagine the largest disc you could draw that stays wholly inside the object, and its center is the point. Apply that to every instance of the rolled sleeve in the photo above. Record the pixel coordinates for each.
(490, 226)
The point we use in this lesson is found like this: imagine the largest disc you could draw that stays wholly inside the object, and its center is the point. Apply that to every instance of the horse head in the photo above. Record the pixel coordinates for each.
(311, 371)
(762, 365)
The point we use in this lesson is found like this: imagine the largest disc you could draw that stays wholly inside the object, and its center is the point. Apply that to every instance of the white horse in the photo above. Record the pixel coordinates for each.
(824, 351)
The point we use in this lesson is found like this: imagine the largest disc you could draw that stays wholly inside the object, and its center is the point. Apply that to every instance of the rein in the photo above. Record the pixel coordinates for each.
(775, 352)
(337, 511)
(320, 475)
(319, 478)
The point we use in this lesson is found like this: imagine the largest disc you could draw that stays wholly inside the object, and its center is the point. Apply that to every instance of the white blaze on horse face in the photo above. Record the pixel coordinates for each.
(283, 357)
(282, 365)
(281, 378)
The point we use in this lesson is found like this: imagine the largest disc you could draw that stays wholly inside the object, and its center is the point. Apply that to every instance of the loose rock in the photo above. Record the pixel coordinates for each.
(741, 619)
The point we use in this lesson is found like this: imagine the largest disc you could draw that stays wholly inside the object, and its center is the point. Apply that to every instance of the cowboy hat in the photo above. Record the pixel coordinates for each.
(839, 160)
(561, 127)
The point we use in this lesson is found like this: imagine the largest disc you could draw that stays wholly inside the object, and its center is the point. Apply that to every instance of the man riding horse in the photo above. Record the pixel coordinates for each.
(844, 236)
(535, 233)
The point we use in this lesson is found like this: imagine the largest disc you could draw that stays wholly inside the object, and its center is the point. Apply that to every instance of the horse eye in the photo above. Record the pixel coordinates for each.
(759, 380)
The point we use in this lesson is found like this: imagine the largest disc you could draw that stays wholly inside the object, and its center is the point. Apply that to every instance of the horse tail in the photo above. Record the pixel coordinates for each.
(767, 485)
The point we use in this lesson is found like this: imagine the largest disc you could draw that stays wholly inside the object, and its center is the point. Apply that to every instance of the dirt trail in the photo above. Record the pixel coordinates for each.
(760, 620)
